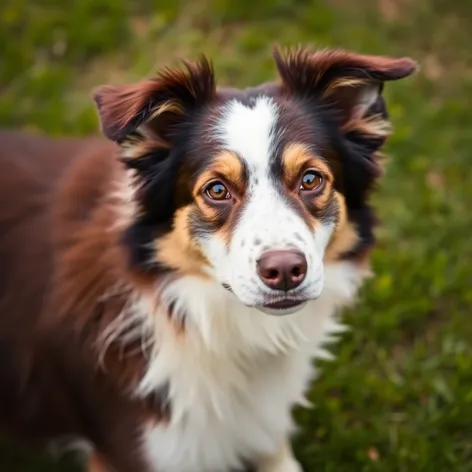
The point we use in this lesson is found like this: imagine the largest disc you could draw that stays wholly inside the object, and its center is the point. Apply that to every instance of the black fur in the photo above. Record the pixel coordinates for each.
(309, 114)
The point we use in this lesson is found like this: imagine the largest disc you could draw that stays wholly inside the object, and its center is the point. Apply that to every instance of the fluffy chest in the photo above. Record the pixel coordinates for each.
(228, 413)
(234, 375)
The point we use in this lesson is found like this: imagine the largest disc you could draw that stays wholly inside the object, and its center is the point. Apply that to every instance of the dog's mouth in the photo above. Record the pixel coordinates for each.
(284, 304)
(283, 307)
(278, 307)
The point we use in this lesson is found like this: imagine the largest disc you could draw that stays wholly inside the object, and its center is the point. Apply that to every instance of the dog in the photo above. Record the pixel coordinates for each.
(164, 291)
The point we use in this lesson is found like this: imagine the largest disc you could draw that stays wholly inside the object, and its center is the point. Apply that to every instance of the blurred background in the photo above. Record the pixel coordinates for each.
(398, 396)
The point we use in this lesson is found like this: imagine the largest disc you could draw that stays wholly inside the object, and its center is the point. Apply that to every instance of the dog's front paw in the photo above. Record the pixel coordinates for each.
(289, 464)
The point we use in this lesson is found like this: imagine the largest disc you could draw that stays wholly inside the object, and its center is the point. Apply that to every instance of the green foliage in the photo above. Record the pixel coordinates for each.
(398, 397)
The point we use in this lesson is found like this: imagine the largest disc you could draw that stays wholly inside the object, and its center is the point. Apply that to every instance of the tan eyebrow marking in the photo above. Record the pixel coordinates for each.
(296, 156)
(226, 165)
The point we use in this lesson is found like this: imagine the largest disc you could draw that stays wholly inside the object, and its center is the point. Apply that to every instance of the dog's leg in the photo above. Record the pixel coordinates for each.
(282, 460)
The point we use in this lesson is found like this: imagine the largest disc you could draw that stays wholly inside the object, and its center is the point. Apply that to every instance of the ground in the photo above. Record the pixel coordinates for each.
(398, 396)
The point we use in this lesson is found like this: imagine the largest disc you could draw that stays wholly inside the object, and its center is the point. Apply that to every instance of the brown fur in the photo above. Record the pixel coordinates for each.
(318, 65)
(95, 464)
(124, 108)
(51, 384)
(66, 274)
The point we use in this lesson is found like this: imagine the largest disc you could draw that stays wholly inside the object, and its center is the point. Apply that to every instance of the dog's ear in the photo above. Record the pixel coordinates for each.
(154, 105)
(346, 89)
(143, 119)
(351, 83)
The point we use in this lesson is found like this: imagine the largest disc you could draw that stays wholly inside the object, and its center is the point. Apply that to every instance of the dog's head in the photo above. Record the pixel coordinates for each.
(256, 188)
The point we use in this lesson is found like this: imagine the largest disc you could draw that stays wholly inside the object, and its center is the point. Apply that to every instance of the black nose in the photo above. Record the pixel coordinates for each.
(282, 270)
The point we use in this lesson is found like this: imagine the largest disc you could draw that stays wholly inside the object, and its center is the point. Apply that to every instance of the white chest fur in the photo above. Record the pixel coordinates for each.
(235, 373)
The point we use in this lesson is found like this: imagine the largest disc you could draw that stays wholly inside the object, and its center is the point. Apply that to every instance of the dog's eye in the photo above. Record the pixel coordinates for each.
(217, 191)
(311, 180)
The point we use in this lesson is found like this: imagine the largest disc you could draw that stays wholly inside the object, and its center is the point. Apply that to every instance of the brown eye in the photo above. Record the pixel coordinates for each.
(311, 180)
(217, 191)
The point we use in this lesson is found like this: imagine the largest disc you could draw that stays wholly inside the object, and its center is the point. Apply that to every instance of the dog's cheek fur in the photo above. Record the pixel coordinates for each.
(345, 235)
(178, 249)
(315, 210)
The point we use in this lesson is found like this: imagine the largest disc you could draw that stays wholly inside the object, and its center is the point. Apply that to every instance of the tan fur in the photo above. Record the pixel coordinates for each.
(345, 236)
(294, 157)
(136, 148)
(177, 250)
(297, 157)
(226, 166)
(343, 82)
(171, 106)
(370, 125)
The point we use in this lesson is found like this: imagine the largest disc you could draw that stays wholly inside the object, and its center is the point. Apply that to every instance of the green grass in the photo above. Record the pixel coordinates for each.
(398, 397)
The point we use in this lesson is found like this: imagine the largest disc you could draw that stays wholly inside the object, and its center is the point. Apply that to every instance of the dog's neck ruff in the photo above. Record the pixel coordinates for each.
(207, 329)
(218, 360)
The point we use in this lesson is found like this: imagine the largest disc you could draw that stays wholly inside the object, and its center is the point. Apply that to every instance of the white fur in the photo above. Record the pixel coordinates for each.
(367, 97)
(235, 373)
(282, 461)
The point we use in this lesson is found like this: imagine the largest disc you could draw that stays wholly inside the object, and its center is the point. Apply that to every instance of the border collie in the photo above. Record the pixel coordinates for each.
(163, 293)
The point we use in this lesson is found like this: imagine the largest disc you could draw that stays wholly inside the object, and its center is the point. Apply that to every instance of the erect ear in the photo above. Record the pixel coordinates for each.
(351, 83)
(156, 103)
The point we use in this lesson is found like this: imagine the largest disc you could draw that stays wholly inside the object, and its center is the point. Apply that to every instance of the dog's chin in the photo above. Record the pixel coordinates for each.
(283, 308)
(280, 307)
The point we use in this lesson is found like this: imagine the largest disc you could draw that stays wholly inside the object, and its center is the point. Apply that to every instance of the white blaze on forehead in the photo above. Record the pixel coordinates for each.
(267, 220)
(249, 131)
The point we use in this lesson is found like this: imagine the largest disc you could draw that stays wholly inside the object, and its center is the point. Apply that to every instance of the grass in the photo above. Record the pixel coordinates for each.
(398, 396)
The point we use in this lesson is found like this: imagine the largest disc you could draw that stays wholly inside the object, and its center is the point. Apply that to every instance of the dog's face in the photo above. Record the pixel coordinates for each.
(256, 188)
(264, 206)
